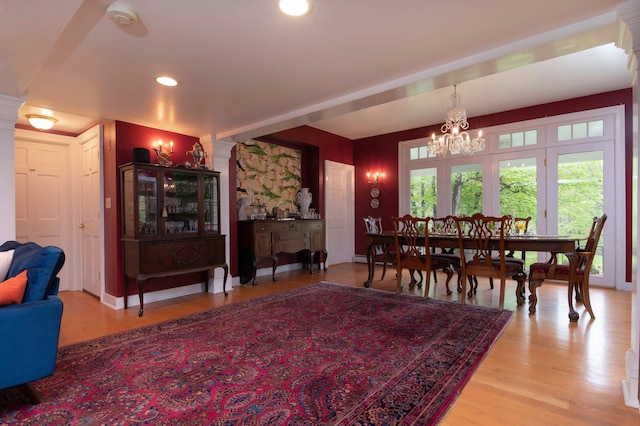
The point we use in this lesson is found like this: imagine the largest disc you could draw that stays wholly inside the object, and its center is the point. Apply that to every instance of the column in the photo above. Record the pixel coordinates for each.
(8, 117)
(629, 40)
(219, 154)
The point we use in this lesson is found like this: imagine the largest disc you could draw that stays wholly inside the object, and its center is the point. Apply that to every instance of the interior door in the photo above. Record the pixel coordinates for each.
(42, 197)
(339, 212)
(91, 254)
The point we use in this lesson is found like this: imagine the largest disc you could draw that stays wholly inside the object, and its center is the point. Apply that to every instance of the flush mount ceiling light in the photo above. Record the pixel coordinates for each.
(166, 81)
(41, 122)
(122, 14)
(295, 7)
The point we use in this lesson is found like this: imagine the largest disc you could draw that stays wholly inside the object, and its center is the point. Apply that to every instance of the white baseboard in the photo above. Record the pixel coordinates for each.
(216, 286)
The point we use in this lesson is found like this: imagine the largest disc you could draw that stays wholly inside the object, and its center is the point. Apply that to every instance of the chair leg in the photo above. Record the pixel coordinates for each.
(449, 271)
(578, 291)
(472, 290)
(584, 290)
(533, 296)
(427, 284)
(520, 278)
(503, 284)
(30, 393)
(398, 280)
(463, 280)
(384, 270)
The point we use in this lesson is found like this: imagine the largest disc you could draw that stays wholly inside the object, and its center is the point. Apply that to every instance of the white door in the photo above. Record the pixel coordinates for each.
(42, 198)
(91, 253)
(339, 195)
(582, 186)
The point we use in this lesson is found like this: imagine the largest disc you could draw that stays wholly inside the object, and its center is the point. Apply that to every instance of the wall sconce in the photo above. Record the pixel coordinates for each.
(41, 122)
(164, 156)
(373, 179)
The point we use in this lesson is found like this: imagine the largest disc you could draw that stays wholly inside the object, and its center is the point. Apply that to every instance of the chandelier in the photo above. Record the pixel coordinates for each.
(454, 138)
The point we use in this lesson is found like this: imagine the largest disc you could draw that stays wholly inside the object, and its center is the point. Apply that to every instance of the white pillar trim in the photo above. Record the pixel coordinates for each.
(629, 31)
(219, 152)
(9, 107)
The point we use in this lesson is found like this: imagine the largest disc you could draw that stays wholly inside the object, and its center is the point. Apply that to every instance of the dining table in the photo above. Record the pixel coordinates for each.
(535, 243)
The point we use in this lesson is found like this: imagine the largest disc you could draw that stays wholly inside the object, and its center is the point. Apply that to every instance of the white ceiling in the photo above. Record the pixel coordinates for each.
(355, 68)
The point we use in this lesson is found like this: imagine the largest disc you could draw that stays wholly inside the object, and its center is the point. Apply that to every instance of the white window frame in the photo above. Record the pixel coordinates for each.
(546, 140)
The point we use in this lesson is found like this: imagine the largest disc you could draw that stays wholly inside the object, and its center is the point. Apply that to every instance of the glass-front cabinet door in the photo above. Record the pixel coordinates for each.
(169, 202)
(180, 210)
(211, 204)
(140, 202)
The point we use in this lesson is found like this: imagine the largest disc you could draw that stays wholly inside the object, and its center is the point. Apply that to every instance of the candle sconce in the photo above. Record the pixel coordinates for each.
(374, 179)
(163, 156)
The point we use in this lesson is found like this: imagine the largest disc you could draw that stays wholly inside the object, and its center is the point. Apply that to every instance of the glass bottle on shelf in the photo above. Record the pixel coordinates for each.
(147, 202)
(180, 211)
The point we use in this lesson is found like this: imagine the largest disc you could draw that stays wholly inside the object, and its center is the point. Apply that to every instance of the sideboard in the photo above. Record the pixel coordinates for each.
(264, 239)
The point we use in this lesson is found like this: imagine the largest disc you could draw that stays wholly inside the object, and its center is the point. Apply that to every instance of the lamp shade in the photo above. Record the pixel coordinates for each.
(41, 122)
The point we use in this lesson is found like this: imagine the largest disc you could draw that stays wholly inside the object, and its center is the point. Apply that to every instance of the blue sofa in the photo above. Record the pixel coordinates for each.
(30, 330)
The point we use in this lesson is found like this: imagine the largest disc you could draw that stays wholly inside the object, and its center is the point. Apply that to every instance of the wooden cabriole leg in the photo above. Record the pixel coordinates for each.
(140, 282)
(533, 296)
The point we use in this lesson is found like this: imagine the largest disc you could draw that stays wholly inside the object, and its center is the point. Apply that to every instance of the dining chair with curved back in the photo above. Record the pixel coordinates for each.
(521, 227)
(476, 238)
(380, 253)
(446, 225)
(551, 270)
(411, 237)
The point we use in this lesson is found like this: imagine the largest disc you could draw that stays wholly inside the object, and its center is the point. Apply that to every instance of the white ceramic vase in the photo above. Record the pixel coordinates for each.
(304, 200)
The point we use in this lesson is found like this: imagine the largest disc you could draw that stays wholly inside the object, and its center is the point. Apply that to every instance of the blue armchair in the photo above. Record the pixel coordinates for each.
(30, 330)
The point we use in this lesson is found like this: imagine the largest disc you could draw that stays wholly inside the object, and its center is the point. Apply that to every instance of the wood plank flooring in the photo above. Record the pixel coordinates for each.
(543, 370)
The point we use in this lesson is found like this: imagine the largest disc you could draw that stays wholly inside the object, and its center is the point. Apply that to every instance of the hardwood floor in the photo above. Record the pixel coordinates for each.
(542, 370)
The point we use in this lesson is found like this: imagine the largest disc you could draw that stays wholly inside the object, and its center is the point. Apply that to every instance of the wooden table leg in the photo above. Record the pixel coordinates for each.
(370, 266)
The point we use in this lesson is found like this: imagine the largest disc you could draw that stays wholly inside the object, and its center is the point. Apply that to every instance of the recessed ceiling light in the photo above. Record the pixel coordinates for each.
(166, 81)
(295, 7)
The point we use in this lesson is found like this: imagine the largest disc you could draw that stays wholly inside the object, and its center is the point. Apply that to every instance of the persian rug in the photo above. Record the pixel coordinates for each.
(324, 354)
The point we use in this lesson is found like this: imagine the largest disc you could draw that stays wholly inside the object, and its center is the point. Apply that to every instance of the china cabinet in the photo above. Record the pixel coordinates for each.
(170, 224)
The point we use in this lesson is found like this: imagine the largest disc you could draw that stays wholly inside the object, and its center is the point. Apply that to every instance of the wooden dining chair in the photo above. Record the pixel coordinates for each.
(446, 225)
(520, 227)
(411, 237)
(475, 235)
(551, 270)
(380, 253)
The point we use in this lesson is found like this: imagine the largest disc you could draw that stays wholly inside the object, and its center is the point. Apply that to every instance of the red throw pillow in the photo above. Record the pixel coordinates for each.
(12, 290)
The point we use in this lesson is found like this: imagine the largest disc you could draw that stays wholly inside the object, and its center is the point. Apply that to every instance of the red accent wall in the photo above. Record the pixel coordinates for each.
(381, 153)
(120, 139)
(377, 153)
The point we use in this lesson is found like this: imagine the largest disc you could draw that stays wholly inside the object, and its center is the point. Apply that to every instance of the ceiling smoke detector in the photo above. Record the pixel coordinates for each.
(122, 14)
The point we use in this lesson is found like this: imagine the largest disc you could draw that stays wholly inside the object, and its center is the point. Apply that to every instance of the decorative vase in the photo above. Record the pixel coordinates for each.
(304, 200)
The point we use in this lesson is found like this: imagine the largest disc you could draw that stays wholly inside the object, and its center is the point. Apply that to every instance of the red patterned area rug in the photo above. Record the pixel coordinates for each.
(324, 354)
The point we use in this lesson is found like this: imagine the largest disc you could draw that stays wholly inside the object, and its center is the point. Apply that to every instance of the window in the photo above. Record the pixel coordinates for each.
(559, 170)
